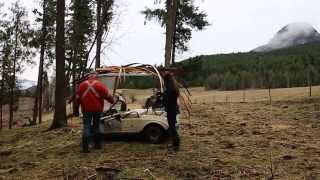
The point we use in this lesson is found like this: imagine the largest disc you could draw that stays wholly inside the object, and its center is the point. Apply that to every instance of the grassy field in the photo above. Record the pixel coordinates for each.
(23, 113)
(226, 137)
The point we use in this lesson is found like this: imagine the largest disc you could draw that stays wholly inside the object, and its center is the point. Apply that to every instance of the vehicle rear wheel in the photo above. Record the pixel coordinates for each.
(153, 133)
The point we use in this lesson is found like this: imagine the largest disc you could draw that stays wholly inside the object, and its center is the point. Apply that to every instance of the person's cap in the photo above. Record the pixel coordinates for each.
(92, 76)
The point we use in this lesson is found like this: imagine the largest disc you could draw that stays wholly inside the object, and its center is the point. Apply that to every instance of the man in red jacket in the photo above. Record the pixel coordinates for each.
(91, 94)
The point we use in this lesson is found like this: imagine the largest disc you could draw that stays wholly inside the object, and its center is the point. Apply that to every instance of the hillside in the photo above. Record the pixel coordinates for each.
(290, 67)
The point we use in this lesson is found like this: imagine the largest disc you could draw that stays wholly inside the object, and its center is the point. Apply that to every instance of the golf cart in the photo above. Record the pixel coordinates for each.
(119, 120)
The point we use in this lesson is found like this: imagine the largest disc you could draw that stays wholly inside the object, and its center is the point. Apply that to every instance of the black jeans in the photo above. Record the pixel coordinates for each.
(173, 133)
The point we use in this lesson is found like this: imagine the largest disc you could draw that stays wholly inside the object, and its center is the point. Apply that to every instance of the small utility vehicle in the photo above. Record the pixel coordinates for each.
(119, 120)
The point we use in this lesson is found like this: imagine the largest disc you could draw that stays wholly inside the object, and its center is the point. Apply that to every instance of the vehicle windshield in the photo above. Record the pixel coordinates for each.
(134, 90)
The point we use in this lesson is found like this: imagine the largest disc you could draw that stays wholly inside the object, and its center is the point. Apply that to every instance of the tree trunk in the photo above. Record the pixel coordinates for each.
(35, 105)
(37, 110)
(1, 94)
(41, 81)
(174, 26)
(42, 54)
(99, 33)
(59, 119)
(173, 59)
(46, 97)
(13, 78)
(1, 116)
(74, 79)
(1, 102)
(169, 34)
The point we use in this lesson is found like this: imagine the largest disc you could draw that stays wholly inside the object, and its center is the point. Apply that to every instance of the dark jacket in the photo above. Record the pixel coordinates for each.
(170, 102)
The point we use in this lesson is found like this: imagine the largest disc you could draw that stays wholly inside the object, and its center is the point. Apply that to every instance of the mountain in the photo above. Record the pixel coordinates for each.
(26, 84)
(291, 35)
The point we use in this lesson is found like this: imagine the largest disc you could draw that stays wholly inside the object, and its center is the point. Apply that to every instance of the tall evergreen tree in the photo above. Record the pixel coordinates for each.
(81, 31)
(104, 16)
(2, 64)
(18, 38)
(4, 86)
(46, 42)
(179, 18)
(81, 28)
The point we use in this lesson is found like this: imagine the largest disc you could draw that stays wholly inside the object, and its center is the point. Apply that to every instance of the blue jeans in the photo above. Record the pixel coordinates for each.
(91, 124)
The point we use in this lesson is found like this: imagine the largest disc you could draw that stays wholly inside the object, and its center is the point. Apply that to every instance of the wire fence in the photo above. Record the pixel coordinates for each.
(253, 95)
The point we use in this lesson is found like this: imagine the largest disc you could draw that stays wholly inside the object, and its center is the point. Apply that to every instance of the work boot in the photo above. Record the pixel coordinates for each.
(176, 143)
(97, 141)
(85, 145)
(176, 148)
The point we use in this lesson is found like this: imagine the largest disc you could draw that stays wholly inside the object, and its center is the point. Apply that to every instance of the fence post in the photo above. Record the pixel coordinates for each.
(244, 96)
(270, 99)
(310, 90)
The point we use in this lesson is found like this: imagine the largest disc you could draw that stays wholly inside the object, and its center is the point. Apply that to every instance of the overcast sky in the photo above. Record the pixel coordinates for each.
(236, 26)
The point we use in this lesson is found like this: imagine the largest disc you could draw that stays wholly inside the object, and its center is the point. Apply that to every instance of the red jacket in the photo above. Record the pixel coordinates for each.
(91, 94)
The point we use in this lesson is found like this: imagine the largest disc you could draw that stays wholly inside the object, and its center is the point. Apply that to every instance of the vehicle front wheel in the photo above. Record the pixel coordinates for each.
(153, 133)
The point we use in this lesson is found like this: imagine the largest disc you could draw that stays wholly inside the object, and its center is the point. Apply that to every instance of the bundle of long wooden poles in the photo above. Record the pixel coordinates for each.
(137, 68)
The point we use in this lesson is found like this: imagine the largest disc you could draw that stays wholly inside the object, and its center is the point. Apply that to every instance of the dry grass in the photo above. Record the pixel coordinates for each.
(23, 113)
(231, 140)
(253, 95)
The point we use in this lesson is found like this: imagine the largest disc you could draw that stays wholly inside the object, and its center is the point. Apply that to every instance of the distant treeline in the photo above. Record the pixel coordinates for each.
(291, 67)
(140, 82)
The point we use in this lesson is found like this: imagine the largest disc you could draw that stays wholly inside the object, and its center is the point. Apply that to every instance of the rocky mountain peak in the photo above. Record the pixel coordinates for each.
(291, 35)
